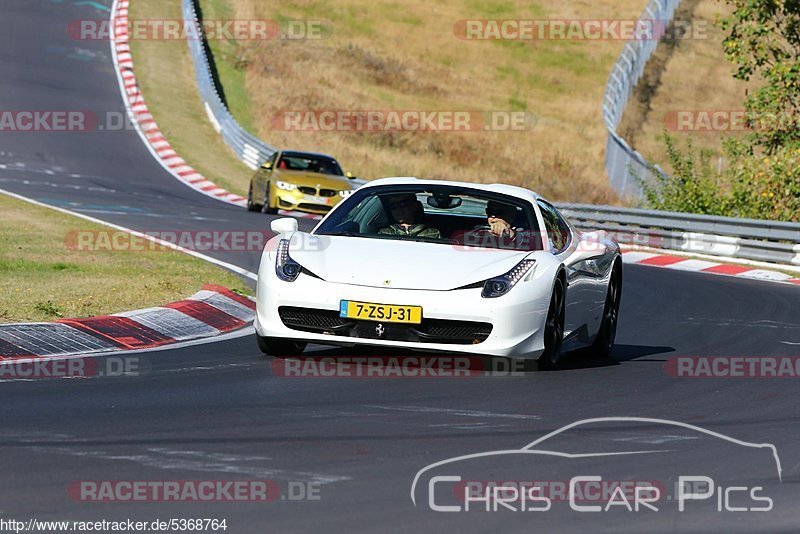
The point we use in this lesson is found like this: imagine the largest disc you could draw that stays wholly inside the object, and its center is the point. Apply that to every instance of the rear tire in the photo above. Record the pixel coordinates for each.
(554, 328)
(604, 342)
(251, 206)
(267, 208)
(275, 346)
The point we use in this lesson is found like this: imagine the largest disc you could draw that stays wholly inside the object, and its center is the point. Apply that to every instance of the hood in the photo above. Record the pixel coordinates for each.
(313, 179)
(398, 264)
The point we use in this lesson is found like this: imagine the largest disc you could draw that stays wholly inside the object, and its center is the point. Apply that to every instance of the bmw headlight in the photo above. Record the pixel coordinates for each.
(500, 285)
(345, 193)
(285, 267)
(286, 186)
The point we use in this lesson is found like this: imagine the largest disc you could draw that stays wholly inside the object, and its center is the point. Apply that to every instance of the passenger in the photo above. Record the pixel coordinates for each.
(408, 212)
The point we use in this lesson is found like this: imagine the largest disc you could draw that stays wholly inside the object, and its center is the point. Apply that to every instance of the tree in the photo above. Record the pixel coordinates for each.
(763, 41)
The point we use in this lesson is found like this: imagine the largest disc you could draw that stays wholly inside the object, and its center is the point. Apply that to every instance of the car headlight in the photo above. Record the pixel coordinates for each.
(500, 285)
(345, 193)
(285, 267)
(286, 186)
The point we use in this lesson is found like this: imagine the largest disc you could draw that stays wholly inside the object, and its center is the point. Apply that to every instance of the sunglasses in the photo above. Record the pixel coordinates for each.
(500, 214)
(401, 203)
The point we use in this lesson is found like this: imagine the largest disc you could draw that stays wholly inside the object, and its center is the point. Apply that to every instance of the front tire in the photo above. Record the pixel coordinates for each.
(275, 346)
(252, 206)
(267, 204)
(604, 342)
(554, 328)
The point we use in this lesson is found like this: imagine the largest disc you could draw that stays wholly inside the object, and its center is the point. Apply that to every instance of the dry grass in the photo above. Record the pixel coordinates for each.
(695, 76)
(41, 279)
(385, 54)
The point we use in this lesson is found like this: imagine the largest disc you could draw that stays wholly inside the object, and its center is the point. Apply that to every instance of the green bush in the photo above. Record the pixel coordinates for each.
(762, 178)
(694, 186)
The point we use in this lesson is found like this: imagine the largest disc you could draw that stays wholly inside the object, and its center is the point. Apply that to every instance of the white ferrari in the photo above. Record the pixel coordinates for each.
(440, 266)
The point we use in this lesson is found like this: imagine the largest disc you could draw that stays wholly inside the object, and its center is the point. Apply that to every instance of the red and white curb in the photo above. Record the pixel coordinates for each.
(145, 123)
(682, 263)
(213, 311)
(143, 120)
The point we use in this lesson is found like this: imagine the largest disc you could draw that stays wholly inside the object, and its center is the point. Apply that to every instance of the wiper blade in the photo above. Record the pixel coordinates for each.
(342, 233)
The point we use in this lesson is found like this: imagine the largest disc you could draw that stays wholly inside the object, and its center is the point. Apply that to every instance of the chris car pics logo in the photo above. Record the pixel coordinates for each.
(675, 483)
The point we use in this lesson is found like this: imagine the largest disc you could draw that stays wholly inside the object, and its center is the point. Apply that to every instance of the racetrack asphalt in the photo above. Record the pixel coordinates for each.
(219, 411)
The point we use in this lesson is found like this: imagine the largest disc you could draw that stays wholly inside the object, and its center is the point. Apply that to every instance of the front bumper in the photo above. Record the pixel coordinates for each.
(298, 201)
(516, 319)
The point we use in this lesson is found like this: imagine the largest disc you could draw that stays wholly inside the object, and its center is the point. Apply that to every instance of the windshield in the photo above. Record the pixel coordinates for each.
(298, 161)
(436, 214)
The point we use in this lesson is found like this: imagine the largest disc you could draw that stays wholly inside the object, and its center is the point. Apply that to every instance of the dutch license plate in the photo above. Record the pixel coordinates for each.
(389, 313)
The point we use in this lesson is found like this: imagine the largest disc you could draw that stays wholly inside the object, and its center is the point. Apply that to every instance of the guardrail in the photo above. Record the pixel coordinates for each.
(774, 242)
(750, 239)
(251, 150)
(622, 161)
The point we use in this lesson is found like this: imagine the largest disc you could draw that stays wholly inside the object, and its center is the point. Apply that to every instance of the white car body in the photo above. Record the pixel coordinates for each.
(391, 271)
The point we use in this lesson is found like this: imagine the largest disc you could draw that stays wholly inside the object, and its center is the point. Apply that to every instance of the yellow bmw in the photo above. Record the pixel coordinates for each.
(302, 181)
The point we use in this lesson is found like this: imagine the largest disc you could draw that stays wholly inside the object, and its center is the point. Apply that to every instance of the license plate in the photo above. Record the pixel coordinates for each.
(388, 313)
(313, 199)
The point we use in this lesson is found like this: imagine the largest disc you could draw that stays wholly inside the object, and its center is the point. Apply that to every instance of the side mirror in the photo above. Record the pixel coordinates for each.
(593, 245)
(266, 165)
(350, 175)
(284, 225)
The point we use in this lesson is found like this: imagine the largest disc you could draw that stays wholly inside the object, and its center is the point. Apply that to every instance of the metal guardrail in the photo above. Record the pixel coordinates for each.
(750, 239)
(775, 242)
(622, 161)
(251, 150)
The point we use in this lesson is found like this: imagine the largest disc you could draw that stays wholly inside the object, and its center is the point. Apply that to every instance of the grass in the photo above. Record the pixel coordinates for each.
(691, 76)
(166, 76)
(230, 59)
(43, 279)
(386, 54)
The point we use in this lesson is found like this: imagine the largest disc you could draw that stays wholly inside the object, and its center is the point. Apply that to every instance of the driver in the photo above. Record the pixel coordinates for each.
(498, 232)
(499, 217)
(408, 212)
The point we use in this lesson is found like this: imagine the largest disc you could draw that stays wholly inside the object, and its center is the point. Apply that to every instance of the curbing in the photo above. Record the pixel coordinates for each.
(216, 310)
(652, 258)
(160, 148)
(145, 124)
(213, 311)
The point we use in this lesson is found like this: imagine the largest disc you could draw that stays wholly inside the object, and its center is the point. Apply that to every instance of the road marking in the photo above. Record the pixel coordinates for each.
(225, 265)
(98, 6)
(204, 462)
(451, 411)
